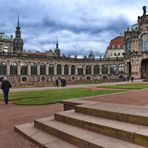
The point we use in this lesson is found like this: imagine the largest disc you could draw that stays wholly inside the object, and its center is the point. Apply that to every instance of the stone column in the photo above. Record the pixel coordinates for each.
(108, 66)
(47, 69)
(19, 68)
(55, 69)
(29, 68)
(38, 68)
(62, 70)
(100, 69)
(92, 70)
(76, 70)
(8, 68)
(69, 70)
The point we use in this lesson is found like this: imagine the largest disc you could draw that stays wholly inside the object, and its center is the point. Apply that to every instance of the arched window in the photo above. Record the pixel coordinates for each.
(121, 68)
(59, 69)
(128, 45)
(33, 69)
(42, 69)
(3, 68)
(66, 70)
(24, 69)
(88, 70)
(51, 69)
(96, 70)
(80, 70)
(72, 70)
(104, 69)
(144, 42)
(13, 68)
(113, 69)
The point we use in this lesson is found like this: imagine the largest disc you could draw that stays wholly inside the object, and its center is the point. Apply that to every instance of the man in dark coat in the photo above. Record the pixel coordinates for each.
(5, 86)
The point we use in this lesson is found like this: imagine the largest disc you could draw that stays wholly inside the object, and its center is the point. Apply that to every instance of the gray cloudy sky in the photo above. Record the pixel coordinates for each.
(81, 25)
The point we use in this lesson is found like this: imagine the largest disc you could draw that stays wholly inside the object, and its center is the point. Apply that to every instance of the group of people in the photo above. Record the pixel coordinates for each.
(61, 82)
(129, 78)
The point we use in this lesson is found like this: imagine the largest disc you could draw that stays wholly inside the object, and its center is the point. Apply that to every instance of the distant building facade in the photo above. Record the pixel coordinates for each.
(125, 57)
(136, 49)
(116, 48)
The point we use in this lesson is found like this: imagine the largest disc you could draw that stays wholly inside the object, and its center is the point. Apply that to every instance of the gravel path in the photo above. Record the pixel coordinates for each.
(11, 115)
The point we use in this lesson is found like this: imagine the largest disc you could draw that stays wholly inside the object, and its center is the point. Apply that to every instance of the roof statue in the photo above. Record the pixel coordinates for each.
(144, 10)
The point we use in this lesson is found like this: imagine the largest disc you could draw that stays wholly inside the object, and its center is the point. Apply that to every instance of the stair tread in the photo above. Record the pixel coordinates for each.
(129, 127)
(41, 137)
(91, 137)
(119, 108)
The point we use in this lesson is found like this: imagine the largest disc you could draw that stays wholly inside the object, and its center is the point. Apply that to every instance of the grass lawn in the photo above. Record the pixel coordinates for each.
(126, 86)
(53, 96)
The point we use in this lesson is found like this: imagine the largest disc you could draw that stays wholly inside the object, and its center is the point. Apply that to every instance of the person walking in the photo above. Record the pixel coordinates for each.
(5, 86)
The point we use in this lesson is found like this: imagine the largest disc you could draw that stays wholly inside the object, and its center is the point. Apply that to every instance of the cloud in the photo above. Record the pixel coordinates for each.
(81, 25)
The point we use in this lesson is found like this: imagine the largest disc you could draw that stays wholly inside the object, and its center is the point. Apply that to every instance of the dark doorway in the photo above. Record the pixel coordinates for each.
(144, 69)
(129, 70)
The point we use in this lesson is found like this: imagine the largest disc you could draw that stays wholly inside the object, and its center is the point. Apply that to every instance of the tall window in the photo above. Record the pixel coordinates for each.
(33, 69)
(72, 70)
(96, 70)
(80, 70)
(144, 42)
(24, 69)
(13, 68)
(3, 68)
(104, 69)
(129, 45)
(113, 69)
(66, 70)
(59, 69)
(121, 68)
(42, 69)
(88, 70)
(51, 69)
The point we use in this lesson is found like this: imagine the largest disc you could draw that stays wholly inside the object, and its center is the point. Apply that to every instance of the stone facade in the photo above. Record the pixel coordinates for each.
(136, 47)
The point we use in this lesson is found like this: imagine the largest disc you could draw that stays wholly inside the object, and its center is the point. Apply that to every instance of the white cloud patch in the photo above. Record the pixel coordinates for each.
(81, 25)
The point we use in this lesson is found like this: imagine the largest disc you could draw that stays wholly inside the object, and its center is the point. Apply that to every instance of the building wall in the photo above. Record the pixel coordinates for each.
(86, 75)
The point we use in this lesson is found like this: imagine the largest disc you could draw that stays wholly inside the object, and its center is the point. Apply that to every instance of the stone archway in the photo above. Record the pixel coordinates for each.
(144, 69)
(129, 69)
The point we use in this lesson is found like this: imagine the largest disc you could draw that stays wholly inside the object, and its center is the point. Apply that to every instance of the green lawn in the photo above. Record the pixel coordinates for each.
(126, 86)
(53, 96)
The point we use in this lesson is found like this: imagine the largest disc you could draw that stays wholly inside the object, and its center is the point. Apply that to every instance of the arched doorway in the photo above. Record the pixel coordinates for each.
(129, 69)
(144, 69)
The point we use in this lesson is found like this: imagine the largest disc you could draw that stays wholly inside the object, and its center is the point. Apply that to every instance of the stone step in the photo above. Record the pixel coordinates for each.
(126, 131)
(41, 138)
(81, 137)
(126, 113)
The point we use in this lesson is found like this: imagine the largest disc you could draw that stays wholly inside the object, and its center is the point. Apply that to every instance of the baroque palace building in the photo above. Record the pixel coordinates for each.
(23, 67)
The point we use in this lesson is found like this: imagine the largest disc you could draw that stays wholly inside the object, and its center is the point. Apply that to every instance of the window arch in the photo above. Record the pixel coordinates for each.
(66, 70)
(73, 70)
(42, 69)
(80, 70)
(51, 69)
(113, 69)
(129, 45)
(96, 70)
(24, 69)
(59, 69)
(121, 68)
(144, 42)
(3, 68)
(13, 68)
(33, 69)
(104, 69)
(88, 70)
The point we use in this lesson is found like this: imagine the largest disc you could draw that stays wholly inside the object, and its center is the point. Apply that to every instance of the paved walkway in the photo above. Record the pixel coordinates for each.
(71, 86)
(11, 115)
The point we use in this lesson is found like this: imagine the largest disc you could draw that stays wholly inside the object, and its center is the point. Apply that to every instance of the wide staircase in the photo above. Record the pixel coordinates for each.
(101, 125)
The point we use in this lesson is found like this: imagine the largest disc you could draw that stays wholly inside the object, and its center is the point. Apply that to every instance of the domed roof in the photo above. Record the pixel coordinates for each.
(4, 36)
